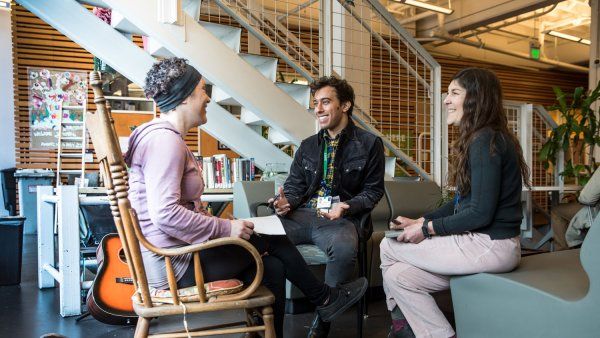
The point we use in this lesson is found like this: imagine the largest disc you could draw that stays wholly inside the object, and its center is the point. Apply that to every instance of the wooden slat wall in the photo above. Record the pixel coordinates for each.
(532, 86)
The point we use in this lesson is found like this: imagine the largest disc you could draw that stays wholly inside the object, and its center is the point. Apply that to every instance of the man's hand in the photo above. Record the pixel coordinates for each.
(411, 234)
(281, 204)
(241, 229)
(402, 222)
(337, 211)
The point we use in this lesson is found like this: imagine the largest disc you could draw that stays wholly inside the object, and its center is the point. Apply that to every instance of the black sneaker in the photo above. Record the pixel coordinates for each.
(347, 295)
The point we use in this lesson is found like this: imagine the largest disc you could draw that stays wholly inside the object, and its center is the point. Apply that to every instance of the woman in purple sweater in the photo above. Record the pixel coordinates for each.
(165, 188)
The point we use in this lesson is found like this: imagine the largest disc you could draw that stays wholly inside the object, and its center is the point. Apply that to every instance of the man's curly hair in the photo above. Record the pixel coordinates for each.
(162, 74)
(344, 91)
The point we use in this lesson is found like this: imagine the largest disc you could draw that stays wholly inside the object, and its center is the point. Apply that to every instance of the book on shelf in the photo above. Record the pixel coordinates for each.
(220, 172)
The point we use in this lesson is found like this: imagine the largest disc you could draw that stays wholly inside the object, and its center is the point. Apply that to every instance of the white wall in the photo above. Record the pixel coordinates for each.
(7, 122)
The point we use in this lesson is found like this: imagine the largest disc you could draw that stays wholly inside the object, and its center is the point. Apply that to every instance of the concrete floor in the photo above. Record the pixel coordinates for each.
(26, 311)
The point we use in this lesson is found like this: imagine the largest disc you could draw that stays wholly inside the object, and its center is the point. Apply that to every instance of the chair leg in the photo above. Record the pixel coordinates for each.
(142, 328)
(267, 313)
(362, 269)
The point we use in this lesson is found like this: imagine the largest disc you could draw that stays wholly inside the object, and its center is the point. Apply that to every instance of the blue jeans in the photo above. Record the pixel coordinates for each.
(338, 239)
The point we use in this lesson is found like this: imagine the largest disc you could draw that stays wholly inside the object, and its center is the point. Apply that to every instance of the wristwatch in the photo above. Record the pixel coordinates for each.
(425, 229)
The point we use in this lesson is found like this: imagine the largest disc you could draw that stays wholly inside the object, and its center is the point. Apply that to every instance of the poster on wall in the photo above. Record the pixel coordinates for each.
(53, 92)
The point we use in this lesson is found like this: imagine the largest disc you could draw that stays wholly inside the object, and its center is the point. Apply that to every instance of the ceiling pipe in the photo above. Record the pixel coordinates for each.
(482, 45)
(507, 22)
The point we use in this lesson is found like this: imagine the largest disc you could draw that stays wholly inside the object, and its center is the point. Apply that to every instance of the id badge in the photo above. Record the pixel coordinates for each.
(324, 203)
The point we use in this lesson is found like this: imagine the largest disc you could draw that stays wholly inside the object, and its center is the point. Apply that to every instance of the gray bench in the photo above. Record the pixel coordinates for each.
(554, 294)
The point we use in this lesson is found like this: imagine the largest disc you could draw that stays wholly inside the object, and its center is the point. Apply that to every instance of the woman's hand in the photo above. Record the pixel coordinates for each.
(402, 222)
(241, 229)
(412, 234)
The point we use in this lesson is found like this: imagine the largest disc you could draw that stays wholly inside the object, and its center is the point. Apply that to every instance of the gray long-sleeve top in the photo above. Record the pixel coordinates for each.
(493, 206)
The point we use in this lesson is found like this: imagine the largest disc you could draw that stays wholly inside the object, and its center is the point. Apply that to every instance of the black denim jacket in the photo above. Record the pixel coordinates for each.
(357, 177)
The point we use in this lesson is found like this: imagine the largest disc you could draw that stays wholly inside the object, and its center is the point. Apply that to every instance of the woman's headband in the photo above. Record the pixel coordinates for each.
(181, 88)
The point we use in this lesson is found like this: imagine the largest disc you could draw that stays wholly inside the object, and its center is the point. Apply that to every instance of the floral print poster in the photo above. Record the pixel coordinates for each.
(53, 92)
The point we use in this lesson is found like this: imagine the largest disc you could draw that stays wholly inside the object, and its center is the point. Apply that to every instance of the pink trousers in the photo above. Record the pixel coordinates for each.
(412, 271)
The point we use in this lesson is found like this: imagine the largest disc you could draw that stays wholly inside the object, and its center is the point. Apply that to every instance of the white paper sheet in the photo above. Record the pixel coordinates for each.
(268, 225)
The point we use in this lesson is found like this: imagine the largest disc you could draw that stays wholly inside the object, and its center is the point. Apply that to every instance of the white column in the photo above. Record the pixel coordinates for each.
(45, 234)
(325, 39)
(7, 108)
(68, 250)
(594, 75)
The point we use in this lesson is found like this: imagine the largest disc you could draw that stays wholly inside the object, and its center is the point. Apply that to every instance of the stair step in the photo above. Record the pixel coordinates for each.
(95, 3)
(250, 118)
(299, 92)
(277, 138)
(120, 23)
(155, 48)
(266, 65)
(192, 8)
(230, 36)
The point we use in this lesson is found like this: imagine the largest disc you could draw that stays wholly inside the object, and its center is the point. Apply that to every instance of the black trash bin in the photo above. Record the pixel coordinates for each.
(11, 249)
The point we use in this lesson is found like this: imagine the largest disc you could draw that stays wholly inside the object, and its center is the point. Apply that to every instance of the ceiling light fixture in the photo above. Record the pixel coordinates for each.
(425, 5)
(569, 37)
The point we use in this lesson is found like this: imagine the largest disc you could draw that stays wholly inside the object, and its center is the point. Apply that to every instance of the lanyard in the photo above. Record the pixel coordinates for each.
(325, 160)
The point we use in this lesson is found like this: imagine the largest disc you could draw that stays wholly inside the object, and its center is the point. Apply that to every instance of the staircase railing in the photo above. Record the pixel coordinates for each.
(402, 105)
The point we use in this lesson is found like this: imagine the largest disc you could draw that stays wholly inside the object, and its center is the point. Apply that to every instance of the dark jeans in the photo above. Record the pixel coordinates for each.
(338, 239)
(281, 261)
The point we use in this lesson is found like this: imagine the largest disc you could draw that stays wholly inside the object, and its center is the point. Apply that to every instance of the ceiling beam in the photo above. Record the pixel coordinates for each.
(470, 14)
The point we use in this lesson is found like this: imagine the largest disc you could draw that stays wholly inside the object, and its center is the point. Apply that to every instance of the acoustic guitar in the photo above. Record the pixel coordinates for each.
(109, 299)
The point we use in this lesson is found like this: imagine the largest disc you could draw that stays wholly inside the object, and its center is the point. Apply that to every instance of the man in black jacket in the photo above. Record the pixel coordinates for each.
(335, 178)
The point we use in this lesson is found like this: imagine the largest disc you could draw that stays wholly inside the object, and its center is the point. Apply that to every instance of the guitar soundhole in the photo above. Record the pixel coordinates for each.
(122, 256)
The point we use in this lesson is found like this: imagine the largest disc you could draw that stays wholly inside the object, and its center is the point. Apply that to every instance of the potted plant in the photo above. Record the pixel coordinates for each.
(577, 135)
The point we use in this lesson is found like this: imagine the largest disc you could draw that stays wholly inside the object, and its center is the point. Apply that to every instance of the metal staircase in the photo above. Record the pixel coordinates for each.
(115, 48)
(246, 83)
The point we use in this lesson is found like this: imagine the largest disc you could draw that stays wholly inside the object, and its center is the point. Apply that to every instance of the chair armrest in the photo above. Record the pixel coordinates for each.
(195, 249)
(254, 208)
(365, 227)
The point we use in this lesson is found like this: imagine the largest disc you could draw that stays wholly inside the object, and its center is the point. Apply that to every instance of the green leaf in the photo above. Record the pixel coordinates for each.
(577, 97)
(560, 97)
(545, 151)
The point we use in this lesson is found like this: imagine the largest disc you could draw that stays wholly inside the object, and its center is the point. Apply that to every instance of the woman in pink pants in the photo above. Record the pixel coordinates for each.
(478, 231)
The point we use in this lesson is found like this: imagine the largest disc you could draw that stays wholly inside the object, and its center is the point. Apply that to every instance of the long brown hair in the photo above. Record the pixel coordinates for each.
(482, 108)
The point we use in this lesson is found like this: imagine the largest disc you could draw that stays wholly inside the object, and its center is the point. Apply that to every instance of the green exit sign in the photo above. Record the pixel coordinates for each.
(534, 50)
(534, 53)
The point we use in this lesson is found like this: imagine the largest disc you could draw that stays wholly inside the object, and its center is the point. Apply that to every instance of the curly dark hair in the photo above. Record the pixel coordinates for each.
(162, 74)
(343, 89)
(482, 108)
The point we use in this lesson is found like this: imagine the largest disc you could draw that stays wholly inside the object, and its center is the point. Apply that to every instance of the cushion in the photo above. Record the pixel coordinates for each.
(190, 294)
